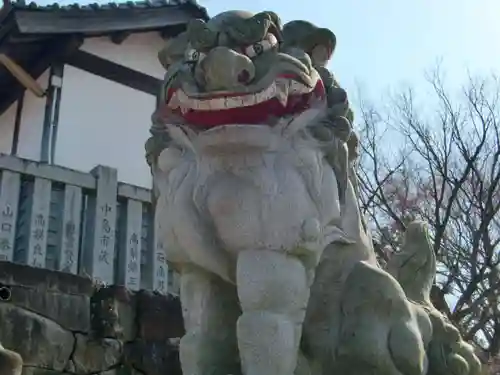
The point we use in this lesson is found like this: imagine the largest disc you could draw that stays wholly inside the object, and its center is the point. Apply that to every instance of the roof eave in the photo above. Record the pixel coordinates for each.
(100, 21)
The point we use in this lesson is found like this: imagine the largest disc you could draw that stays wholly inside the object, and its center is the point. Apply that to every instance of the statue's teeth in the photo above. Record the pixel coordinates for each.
(249, 100)
(214, 104)
(174, 102)
(282, 91)
(295, 87)
(184, 108)
(279, 89)
(182, 97)
(283, 98)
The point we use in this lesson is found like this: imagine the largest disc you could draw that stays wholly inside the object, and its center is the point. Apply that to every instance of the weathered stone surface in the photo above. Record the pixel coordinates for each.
(113, 313)
(40, 341)
(96, 355)
(104, 315)
(61, 327)
(11, 362)
(70, 310)
(153, 357)
(159, 317)
(41, 371)
(44, 279)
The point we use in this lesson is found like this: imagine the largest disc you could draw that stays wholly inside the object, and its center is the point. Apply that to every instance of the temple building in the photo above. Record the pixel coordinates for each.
(78, 85)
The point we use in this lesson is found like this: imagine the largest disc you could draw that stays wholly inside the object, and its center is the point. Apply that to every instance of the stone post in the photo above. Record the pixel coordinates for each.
(98, 259)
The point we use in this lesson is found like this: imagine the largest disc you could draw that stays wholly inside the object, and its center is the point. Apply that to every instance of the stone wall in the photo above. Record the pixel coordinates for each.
(62, 324)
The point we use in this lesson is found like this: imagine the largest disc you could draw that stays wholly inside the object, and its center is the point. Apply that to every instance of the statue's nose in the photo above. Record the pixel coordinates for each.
(225, 69)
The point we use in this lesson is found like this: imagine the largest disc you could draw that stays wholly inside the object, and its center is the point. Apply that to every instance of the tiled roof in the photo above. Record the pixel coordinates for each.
(148, 4)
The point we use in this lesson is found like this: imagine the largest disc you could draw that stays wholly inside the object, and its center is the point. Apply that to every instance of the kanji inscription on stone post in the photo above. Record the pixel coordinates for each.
(130, 259)
(102, 251)
(160, 267)
(39, 223)
(68, 261)
(9, 198)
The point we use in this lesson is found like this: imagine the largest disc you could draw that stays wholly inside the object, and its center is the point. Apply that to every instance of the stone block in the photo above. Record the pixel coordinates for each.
(41, 371)
(113, 313)
(96, 355)
(43, 279)
(71, 311)
(159, 316)
(153, 357)
(40, 341)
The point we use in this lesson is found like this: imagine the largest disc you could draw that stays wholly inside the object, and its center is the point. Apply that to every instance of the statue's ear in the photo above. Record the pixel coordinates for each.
(321, 45)
(276, 26)
(275, 19)
(173, 50)
(200, 36)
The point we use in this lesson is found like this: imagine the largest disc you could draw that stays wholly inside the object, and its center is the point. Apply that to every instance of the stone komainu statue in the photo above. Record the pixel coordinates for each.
(11, 363)
(256, 202)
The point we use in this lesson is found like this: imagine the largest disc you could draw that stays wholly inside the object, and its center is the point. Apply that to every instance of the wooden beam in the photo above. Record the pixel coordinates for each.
(15, 38)
(51, 117)
(172, 31)
(21, 75)
(17, 125)
(115, 72)
(105, 20)
(57, 50)
(57, 81)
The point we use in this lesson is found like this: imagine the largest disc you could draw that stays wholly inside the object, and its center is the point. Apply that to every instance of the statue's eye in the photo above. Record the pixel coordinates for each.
(193, 56)
(259, 48)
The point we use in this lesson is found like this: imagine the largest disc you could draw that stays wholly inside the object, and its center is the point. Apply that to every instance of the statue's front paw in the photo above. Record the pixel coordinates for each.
(407, 348)
(380, 333)
(448, 352)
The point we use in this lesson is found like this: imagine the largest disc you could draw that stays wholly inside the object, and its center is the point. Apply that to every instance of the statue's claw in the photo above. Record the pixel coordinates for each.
(380, 329)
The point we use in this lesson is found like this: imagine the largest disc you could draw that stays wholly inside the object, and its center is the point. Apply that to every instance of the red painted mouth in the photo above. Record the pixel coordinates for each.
(286, 96)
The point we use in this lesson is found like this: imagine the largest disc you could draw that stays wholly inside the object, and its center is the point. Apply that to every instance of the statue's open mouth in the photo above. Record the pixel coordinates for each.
(287, 95)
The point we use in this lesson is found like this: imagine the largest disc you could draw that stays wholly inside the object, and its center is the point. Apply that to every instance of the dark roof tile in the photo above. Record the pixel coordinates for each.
(142, 4)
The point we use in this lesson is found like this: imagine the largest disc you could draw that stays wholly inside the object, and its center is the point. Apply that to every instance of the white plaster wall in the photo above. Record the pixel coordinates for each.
(102, 122)
(138, 51)
(30, 131)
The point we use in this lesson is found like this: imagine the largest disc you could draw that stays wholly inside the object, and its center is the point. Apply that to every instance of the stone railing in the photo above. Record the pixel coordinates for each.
(86, 224)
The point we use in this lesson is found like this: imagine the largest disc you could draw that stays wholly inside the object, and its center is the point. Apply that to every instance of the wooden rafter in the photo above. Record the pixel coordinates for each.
(58, 49)
(21, 75)
(115, 72)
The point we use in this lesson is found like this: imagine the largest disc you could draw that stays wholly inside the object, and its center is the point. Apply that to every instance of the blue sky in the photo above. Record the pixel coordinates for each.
(390, 43)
